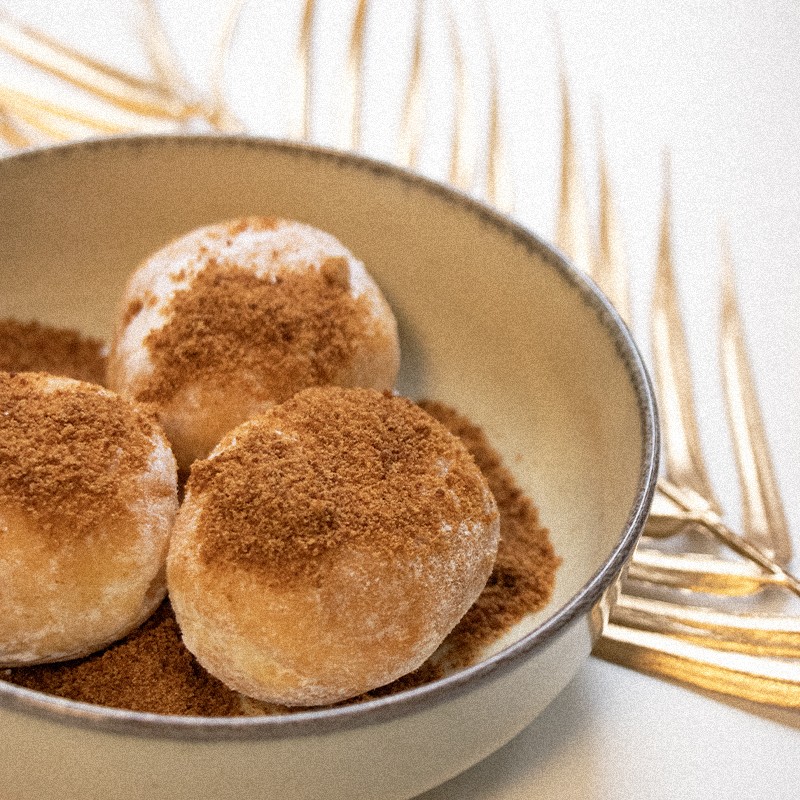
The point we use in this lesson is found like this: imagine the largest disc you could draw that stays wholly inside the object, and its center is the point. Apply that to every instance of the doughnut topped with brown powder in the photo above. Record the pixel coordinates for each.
(230, 319)
(328, 546)
(87, 499)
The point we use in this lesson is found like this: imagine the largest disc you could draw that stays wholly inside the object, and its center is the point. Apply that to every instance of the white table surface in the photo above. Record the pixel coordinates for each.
(718, 83)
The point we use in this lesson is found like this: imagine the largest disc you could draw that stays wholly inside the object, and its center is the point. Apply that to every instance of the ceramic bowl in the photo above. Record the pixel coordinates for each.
(493, 321)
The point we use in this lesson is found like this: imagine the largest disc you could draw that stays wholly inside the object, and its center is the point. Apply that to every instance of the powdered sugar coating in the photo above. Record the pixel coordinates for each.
(67, 589)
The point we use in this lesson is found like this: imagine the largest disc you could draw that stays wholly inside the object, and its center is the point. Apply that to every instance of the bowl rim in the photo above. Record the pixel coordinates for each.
(343, 717)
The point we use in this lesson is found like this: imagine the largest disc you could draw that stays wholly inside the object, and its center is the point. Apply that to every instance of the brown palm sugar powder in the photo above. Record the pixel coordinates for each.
(150, 670)
(33, 347)
(281, 504)
(56, 448)
(298, 330)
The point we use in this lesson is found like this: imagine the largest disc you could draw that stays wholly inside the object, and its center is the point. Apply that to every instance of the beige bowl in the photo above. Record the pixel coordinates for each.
(493, 321)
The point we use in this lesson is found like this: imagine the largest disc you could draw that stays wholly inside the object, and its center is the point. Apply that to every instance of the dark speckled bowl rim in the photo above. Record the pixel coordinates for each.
(315, 723)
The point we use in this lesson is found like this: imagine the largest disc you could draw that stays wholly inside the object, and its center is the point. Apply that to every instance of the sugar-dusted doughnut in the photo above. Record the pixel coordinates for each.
(87, 500)
(328, 546)
(233, 318)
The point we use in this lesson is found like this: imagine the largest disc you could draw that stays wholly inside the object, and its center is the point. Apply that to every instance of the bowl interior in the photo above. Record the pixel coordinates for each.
(492, 322)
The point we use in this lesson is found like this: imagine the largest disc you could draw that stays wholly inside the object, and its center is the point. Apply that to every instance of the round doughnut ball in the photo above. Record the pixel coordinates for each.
(88, 497)
(328, 546)
(234, 318)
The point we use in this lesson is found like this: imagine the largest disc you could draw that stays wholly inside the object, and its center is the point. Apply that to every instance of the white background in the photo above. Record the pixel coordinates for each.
(718, 84)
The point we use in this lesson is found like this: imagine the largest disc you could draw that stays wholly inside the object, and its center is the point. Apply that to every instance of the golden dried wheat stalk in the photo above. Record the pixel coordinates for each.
(165, 101)
(749, 655)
